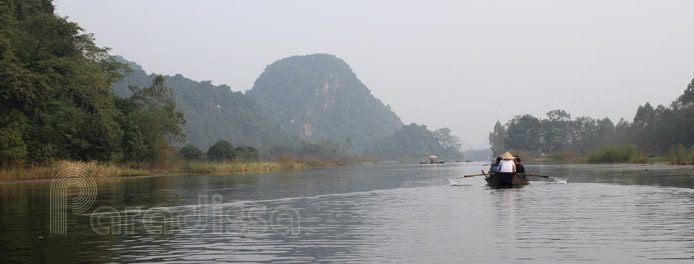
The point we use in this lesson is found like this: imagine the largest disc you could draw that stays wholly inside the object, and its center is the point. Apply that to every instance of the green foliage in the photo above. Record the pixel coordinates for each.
(319, 97)
(55, 86)
(496, 139)
(680, 156)
(660, 130)
(616, 154)
(247, 153)
(221, 151)
(523, 133)
(657, 129)
(558, 133)
(212, 112)
(158, 115)
(190, 152)
(286, 161)
(12, 147)
(417, 142)
(562, 157)
(150, 123)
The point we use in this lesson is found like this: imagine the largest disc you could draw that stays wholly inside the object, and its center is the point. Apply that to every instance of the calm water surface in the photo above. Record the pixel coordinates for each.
(384, 213)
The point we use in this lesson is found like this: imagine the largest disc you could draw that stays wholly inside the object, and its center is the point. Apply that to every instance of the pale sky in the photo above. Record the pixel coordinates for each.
(457, 64)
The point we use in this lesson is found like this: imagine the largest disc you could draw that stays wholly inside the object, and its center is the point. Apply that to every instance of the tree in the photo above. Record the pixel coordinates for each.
(523, 133)
(416, 142)
(446, 140)
(58, 83)
(160, 117)
(190, 152)
(157, 123)
(496, 139)
(247, 153)
(558, 115)
(12, 147)
(221, 151)
(687, 98)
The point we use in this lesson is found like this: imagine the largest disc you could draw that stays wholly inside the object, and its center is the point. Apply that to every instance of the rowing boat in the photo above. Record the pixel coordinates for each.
(505, 179)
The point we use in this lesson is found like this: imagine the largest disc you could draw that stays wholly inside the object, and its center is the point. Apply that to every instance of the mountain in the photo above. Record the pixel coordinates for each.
(212, 112)
(319, 97)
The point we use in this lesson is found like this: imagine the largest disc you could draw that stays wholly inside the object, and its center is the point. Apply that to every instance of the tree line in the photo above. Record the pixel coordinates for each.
(220, 151)
(417, 142)
(656, 131)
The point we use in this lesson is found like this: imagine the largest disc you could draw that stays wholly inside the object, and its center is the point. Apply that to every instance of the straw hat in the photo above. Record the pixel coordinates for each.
(506, 156)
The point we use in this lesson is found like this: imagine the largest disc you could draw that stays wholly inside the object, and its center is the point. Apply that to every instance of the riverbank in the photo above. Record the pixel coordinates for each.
(613, 154)
(104, 170)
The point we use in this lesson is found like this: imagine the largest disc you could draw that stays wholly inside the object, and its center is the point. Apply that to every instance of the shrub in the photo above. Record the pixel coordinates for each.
(286, 160)
(247, 153)
(190, 152)
(221, 151)
(617, 154)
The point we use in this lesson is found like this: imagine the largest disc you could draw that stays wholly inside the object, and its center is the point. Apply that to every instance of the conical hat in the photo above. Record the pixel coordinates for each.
(506, 156)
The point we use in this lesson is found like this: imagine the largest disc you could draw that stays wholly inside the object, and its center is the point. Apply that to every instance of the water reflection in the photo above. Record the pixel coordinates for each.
(388, 213)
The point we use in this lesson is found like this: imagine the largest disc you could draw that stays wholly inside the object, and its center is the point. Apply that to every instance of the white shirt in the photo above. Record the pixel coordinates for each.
(507, 166)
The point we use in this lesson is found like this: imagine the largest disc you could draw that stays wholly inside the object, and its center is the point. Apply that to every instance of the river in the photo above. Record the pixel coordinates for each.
(373, 214)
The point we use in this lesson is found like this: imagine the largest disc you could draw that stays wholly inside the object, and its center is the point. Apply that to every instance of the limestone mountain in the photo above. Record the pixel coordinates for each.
(212, 112)
(319, 97)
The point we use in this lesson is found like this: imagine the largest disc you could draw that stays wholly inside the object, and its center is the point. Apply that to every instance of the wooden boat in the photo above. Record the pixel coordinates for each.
(505, 180)
(430, 162)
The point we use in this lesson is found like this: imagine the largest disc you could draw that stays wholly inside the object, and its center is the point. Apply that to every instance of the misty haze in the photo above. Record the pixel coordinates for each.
(346, 131)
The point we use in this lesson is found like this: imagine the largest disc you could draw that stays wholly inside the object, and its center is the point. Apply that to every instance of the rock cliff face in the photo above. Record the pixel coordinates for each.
(319, 97)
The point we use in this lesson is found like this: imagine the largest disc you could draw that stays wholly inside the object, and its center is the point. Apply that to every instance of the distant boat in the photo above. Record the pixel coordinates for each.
(432, 160)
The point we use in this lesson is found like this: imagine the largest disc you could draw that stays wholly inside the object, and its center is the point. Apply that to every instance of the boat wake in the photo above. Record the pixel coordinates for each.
(559, 181)
(454, 182)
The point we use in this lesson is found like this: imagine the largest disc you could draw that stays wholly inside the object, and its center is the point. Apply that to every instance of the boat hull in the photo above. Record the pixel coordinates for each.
(505, 180)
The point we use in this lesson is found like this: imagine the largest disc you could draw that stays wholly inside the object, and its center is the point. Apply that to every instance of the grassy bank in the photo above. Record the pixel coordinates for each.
(610, 154)
(49, 171)
(235, 167)
(102, 170)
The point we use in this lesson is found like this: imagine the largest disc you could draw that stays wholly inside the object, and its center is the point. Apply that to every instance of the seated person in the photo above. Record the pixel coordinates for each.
(519, 167)
(495, 166)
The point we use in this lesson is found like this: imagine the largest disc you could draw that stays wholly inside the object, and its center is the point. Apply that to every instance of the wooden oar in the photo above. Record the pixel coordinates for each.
(531, 174)
(473, 175)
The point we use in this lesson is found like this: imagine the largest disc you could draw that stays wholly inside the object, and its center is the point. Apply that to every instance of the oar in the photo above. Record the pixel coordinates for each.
(531, 174)
(473, 175)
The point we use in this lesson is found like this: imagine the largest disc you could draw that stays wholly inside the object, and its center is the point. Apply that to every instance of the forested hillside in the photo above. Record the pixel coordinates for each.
(56, 99)
(213, 112)
(319, 97)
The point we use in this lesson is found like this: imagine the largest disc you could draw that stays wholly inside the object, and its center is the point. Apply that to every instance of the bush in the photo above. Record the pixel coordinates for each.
(221, 151)
(678, 155)
(286, 160)
(190, 152)
(617, 154)
(247, 153)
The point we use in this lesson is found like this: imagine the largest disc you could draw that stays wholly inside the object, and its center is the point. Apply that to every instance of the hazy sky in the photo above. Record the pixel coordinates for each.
(457, 64)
